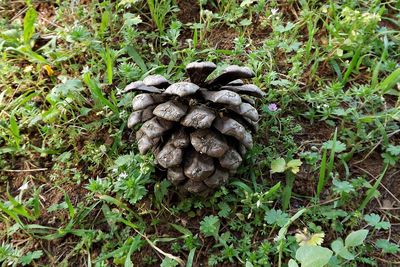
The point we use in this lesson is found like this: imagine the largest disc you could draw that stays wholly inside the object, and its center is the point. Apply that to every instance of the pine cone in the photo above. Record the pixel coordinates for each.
(198, 130)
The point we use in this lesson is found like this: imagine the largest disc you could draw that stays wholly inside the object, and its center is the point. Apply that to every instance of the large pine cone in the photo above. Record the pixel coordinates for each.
(197, 130)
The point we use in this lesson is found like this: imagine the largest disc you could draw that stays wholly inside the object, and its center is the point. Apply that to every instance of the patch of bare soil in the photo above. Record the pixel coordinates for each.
(189, 11)
(222, 37)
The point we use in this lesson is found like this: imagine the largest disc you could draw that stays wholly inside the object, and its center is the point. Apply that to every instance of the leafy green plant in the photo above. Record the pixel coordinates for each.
(158, 11)
(387, 246)
(14, 257)
(209, 226)
(375, 221)
(318, 256)
(279, 166)
(133, 173)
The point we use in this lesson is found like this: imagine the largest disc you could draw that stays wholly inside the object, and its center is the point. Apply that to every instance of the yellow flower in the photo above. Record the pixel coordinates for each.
(306, 238)
(49, 70)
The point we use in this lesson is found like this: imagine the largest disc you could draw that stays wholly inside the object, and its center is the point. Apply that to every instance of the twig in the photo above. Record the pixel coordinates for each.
(30, 170)
(386, 261)
(374, 178)
(377, 144)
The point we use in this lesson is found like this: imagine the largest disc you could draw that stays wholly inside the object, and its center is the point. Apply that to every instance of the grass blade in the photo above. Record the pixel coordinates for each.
(136, 57)
(272, 190)
(287, 191)
(19, 209)
(15, 131)
(322, 171)
(332, 155)
(195, 38)
(182, 230)
(10, 213)
(71, 209)
(321, 179)
(390, 81)
(336, 68)
(242, 186)
(29, 54)
(109, 63)
(352, 64)
(371, 192)
(189, 262)
(98, 94)
(105, 22)
(36, 204)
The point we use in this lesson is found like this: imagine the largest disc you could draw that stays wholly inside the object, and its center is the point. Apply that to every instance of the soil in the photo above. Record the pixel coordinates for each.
(189, 11)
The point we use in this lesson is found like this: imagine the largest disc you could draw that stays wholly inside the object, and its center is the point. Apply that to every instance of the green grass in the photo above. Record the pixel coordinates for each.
(74, 190)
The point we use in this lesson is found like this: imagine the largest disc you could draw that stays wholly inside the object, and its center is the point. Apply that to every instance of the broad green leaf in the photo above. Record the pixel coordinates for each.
(65, 89)
(313, 256)
(10, 213)
(245, 22)
(29, 24)
(346, 254)
(292, 263)
(278, 165)
(14, 128)
(356, 238)
(337, 245)
(339, 249)
(372, 219)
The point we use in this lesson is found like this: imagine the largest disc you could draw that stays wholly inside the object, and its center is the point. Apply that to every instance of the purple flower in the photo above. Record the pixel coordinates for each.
(272, 107)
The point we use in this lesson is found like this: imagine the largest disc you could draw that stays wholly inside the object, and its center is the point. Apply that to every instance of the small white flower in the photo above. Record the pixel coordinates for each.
(85, 69)
(274, 11)
(24, 186)
(123, 175)
(103, 149)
